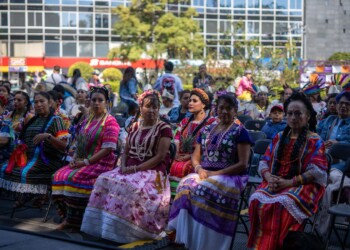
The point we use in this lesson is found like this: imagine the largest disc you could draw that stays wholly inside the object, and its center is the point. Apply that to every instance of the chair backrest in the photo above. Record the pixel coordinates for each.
(340, 150)
(256, 135)
(254, 124)
(244, 118)
(345, 173)
(261, 146)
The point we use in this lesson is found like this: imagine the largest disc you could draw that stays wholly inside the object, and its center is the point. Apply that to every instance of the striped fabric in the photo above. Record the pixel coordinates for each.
(71, 188)
(36, 175)
(291, 205)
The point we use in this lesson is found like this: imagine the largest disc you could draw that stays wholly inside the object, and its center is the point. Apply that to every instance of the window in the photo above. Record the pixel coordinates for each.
(282, 4)
(266, 28)
(253, 28)
(268, 4)
(3, 19)
(85, 20)
(239, 3)
(52, 20)
(116, 3)
(101, 21)
(52, 1)
(225, 52)
(211, 3)
(295, 4)
(225, 27)
(52, 49)
(101, 49)
(225, 3)
(281, 28)
(198, 2)
(254, 4)
(86, 2)
(69, 19)
(35, 19)
(17, 19)
(85, 49)
(69, 49)
(211, 26)
(69, 2)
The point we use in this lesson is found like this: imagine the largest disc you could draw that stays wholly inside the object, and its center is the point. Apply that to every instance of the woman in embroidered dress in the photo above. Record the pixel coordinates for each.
(42, 139)
(185, 138)
(132, 202)
(72, 184)
(21, 114)
(294, 169)
(204, 212)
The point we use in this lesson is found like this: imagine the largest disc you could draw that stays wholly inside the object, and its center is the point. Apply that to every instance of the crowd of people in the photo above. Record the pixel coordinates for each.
(63, 144)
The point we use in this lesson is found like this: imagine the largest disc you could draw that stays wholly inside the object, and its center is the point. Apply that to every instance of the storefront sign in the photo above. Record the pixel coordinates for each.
(102, 63)
(17, 61)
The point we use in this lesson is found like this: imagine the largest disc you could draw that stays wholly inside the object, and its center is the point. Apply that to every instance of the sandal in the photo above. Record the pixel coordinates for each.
(64, 225)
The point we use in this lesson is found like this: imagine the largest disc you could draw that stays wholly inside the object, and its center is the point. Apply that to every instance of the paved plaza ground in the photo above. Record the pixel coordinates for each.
(26, 230)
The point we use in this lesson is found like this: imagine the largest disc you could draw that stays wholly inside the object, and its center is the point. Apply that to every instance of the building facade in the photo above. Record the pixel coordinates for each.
(327, 28)
(84, 28)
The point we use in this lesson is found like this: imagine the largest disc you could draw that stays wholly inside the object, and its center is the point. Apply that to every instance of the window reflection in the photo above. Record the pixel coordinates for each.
(268, 4)
(85, 20)
(69, 19)
(239, 3)
(52, 20)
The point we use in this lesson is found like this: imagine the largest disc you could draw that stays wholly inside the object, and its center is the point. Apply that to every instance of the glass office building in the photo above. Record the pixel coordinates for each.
(84, 28)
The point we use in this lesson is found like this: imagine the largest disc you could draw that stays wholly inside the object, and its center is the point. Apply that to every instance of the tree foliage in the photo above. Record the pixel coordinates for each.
(112, 74)
(340, 56)
(147, 29)
(85, 69)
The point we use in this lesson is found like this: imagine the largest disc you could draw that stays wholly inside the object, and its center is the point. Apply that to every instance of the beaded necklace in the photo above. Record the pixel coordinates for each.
(141, 148)
(218, 144)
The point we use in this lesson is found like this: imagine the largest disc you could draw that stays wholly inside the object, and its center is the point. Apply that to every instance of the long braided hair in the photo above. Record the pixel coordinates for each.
(33, 119)
(28, 105)
(300, 141)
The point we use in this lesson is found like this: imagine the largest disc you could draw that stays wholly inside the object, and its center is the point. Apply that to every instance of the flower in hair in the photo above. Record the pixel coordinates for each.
(148, 93)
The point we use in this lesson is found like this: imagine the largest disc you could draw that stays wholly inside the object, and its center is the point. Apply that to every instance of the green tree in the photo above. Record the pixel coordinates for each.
(340, 56)
(146, 28)
(112, 74)
(85, 69)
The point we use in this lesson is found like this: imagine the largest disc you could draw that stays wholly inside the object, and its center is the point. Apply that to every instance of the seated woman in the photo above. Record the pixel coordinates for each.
(43, 141)
(187, 132)
(96, 141)
(21, 114)
(132, 202)
(177, 114)
(204, 212)
(294, 171)
(56, 101)
(336, 128)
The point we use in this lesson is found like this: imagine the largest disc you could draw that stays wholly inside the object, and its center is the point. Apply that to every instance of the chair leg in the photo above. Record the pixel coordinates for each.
(330, 230)
(47, 210)
(346, 237)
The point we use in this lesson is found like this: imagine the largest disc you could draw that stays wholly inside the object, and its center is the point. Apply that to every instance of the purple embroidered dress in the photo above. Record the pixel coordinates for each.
(204, 212)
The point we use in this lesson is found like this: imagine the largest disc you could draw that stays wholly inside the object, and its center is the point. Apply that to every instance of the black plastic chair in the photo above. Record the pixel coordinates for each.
(244, 118)
(340, 150)
(255, 125)
(340, 210)
(256, 135)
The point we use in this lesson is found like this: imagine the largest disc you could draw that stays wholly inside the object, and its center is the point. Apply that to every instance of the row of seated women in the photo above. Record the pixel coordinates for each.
(132, 201)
